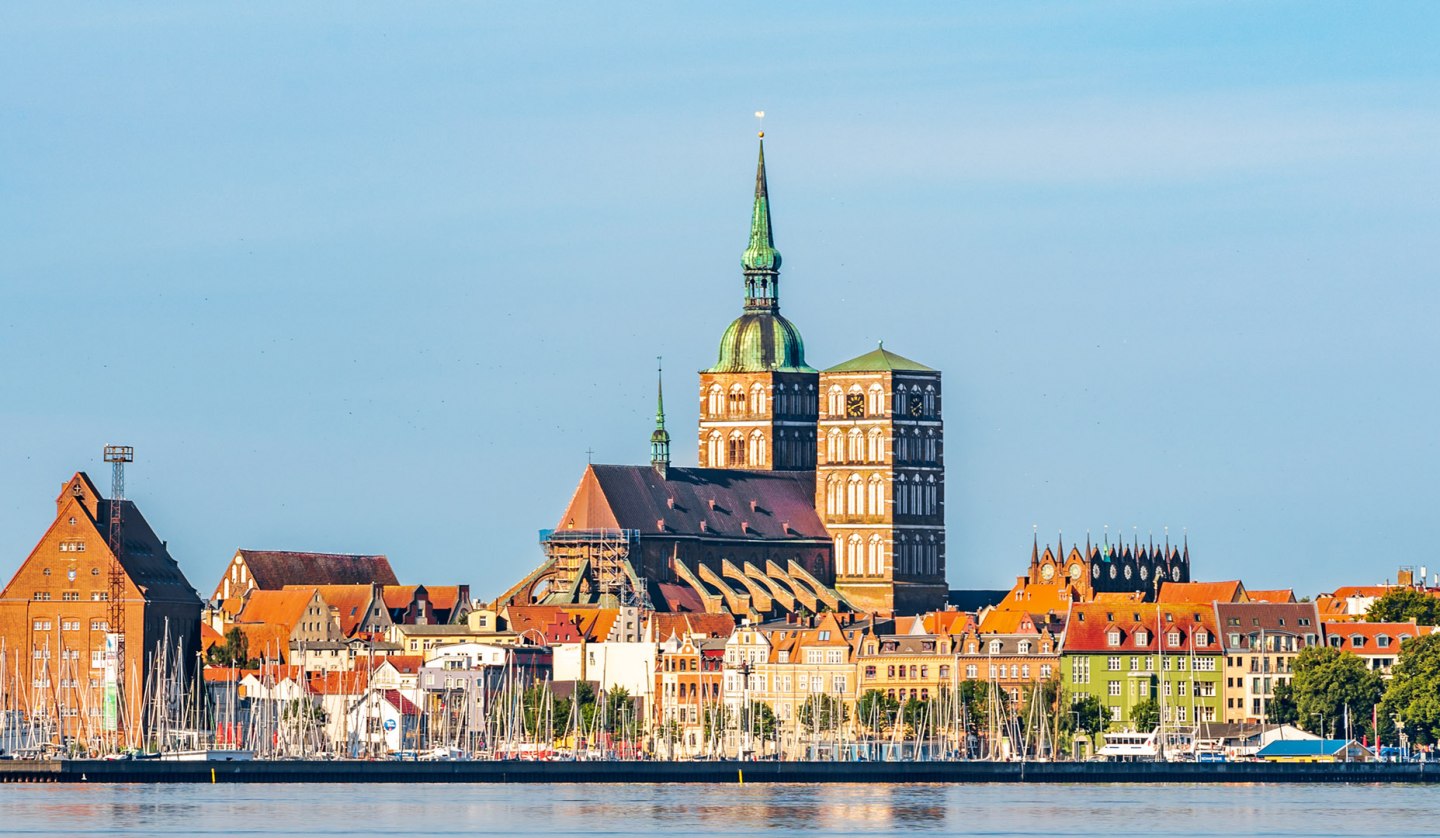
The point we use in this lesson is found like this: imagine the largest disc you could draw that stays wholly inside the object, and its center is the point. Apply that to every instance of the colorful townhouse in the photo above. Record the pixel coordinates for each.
(1126, 653)
(1261, 641)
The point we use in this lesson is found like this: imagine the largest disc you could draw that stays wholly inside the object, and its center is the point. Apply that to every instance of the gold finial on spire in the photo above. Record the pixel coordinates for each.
(760, 115)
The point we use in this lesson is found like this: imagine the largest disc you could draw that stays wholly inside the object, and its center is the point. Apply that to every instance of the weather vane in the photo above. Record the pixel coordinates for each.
(760, 115)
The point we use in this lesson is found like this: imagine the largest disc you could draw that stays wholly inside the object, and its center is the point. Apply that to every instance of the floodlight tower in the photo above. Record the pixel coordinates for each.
(117, 456)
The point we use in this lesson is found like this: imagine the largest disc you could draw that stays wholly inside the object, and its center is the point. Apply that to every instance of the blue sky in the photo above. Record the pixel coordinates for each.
(374, 277)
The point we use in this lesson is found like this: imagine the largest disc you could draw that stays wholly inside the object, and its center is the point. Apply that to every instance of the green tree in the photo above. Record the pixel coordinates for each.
(716, 719)
(1414, 690)
(1404, 605)
(1281, 709)
(876, 711)
(760, 721)
(235, 651)
(1145, 715)
(822, 713)
(1086, 714)
(1328, 685)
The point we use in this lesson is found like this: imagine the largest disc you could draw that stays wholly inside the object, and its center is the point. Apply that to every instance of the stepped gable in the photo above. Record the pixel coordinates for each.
(274, 569)
(719, 499)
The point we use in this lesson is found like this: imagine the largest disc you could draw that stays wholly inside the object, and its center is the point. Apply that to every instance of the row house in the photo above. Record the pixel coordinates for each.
(1127, 653)
(1377, 644)
(1261, 641)
(688, 680)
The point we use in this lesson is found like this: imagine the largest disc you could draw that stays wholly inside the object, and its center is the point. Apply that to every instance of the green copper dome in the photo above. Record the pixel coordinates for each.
(761, 340)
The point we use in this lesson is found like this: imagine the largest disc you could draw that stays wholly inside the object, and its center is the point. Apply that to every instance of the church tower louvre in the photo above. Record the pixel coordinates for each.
(758, 403)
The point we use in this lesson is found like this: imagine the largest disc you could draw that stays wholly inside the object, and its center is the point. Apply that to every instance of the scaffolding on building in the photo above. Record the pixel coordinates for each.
(594, 565)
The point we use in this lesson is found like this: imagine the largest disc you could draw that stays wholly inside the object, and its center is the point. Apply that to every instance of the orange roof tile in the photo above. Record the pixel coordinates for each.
(404, 664)
(442, 597)
(340, 683)
(1204, 592)
(1346, 632)
(1277, 595)
(351, 603)
(209, 637)
(285, 608)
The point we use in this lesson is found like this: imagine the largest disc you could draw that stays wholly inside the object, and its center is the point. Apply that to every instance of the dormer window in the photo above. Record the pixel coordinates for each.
(1358, 641)
(1173, 638)
(1142, 637)
(1202, 638)
(1383, 641)
(1113, 637)
(1024, 647)
(994, 647)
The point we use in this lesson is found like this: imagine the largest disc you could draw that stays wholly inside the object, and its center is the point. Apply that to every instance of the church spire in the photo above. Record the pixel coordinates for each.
(761, 262)
(660, 438)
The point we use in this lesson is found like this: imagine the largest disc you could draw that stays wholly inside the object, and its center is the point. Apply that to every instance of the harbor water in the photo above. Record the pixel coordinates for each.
(683, 810)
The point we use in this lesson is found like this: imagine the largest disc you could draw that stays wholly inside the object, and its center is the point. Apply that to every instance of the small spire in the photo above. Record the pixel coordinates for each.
(660, 438)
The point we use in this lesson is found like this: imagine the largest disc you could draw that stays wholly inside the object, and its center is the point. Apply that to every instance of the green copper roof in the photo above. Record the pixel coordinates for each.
(760, 254)
(761, 342)
(881, 359)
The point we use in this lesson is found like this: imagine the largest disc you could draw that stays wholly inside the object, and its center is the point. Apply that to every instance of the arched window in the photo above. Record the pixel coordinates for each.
(737, 448)
(855, 450)
(836, 407)
(875, 447)
(757, 399)
(876, 400)
(902, 497)
(876, 557)
(757, 449)
(876, 499)
(929, 400)
(856, 550)
(931, 500)
(714, 451)
(833, 446)
(834, 503)
(854, 496)
(717, 401)
(737, 401)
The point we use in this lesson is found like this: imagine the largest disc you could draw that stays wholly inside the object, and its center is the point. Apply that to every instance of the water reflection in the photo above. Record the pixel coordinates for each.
(680, 810)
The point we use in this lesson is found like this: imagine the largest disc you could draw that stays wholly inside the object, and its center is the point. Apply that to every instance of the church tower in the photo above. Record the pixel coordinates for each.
(880, 481)
(758, 403)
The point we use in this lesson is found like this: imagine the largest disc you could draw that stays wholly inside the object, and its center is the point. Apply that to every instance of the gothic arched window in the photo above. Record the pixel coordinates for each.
(857, 553)
(855, 450)
(836, 406)
(757, 399)
(876, 497)
(714, 451)
(854, 496)
(875, 447)
(737, 401)
(737, 449)
(876, 401)
(757, 449)
(717, 400)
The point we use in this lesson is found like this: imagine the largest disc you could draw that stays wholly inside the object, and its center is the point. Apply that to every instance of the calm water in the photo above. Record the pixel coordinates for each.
(394, 810)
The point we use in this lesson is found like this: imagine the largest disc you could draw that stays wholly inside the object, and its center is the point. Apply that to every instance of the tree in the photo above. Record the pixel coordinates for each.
(235, 651)
(876, 711)
(822, 713)
(1414, 690)
(1404, 605)
(1145, 714)
(1281, 709)
(1086, 714)
(760, 721)
(1330, 685)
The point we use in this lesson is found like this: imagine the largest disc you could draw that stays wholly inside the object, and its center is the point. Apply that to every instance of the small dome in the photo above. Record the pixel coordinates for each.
(761, 342)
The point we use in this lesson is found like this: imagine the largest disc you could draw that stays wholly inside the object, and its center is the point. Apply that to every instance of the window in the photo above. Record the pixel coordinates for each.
(99, 625)
(1112, 637)
(1204, 664)
(1045, 670)
(70, 596)
(1113, 688)
(1113, 663)
(995, 647)
(1173, 638)
(42, 596)
(1142, 637)
(1024, 647)
(1114, 714)
(1202, 638)
(972, 671)
(42, 625)
(97, 596)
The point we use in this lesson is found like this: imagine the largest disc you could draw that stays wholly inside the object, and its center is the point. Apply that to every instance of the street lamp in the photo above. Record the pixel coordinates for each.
(745, 668)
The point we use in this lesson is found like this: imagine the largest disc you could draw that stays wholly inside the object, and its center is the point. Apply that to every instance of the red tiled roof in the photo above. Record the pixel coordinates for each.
(340, 683)
(404, 664)
(1206, 592)
(662, 625)
(274, 569)
(637, 497)
(1090, 623)
(401, 703)
(209, 637)
(1345, 632)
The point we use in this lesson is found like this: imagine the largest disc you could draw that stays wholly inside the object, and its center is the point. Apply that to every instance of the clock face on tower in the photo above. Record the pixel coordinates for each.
(916, 408)
(1047, 572)
(855, 405)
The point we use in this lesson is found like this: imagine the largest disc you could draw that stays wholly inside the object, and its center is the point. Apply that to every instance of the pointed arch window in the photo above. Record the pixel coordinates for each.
(737, 401)
(717, 401)
(902, 497)
(854, 496)
(757, 400)
(876, 401)
(737, 450)
(856, 549)
(714, 451)
(833, 447)
(836, 402)
(855, 450)
(834, 501)
(757, 449)
(875, 556)
(875, 447)
(875, 497)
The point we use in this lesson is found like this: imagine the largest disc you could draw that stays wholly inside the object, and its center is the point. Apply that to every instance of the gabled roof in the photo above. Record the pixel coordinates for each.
(282, 609)
(351, 603)
(400, 702)
(1206, 592)
(274, 569)
(662, 625)
(1247, 618)
(442, 597)
(1341, 636)
(881, 360)
(1089, 624)
(1277, 595)
(720, 503)
(403, 664)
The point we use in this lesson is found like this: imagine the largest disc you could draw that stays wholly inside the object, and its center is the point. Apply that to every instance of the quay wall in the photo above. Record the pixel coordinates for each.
(348, 771)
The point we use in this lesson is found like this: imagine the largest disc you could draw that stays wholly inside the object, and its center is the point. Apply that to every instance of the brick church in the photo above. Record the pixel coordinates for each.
(816, 490)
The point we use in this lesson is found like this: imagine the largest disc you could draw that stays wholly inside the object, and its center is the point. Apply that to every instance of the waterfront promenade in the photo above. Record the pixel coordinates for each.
(724, 772)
